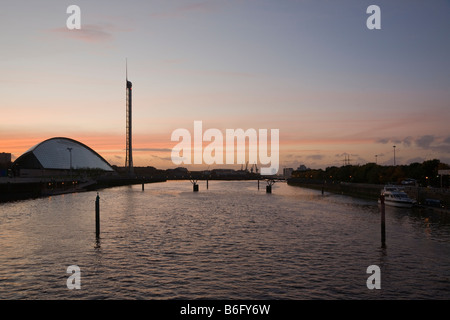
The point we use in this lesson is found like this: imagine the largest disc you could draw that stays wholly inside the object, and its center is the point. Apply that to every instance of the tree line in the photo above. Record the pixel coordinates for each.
(425, 173)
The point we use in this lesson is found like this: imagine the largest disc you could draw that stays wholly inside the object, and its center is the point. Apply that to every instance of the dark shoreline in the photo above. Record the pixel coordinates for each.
(24, 189)
(372, 191)
(16, 189)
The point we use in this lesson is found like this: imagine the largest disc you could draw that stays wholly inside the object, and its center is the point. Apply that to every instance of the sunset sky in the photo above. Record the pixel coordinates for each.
(310, 68)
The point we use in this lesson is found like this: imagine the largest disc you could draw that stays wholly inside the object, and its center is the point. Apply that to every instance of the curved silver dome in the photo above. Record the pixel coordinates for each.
(59, 153)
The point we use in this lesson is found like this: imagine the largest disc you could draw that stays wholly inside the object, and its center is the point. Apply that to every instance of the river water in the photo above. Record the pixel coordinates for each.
(231, 241)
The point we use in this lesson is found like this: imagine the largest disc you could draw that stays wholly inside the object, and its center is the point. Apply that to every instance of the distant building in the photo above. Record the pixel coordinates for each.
(302, 168)
(287, 172)
(224, 172)
(179, 172)
(5, 159)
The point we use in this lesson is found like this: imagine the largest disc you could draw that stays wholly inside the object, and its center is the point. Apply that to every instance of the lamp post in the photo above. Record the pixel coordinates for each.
(394, 155)
(70, 152)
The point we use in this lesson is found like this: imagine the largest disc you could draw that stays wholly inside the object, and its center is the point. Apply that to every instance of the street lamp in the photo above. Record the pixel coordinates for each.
(70, 152)
(394, 155)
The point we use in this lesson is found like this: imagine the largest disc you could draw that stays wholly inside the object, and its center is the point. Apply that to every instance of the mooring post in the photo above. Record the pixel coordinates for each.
(269, 185)
(195, 187)
(207, 186)
(258, 184)
(97, 216)
(142, 186)
(383, 222)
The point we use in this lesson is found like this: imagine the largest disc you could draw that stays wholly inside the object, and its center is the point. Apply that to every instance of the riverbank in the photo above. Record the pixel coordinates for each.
(367, 191)
(13, 189)
(372, 192)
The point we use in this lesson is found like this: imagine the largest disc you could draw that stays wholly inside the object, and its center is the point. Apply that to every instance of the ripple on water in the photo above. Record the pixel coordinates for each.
(228, 242)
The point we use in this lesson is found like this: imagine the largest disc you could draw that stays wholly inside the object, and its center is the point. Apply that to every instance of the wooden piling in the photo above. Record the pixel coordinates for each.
(97, 216)
(195, 187)
(269, 189)
(258, 184)
(207, 184)
(383, 222)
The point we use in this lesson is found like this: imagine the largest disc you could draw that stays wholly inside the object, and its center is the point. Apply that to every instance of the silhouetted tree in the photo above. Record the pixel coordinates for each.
(425, 173)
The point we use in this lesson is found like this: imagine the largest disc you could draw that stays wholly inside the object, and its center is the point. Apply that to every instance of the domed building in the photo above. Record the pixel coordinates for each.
(59, 156)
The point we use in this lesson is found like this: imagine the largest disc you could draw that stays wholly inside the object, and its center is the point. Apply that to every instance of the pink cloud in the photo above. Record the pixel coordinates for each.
(92, 33)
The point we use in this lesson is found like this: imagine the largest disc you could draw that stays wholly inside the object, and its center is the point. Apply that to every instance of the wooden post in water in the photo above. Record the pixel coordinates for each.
(142, 186)
(258, 184)
(97, 216)
(194, 184)
(270, 183)
(207, 184)
(383, 222)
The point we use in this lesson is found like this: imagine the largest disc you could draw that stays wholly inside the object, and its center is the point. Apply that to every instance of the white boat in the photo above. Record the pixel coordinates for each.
(396, 197)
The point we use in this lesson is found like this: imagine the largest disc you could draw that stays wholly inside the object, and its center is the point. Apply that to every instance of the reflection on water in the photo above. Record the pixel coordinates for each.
(231, 241)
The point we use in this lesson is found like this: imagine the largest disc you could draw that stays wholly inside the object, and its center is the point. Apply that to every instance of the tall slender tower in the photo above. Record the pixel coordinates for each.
(129, 155)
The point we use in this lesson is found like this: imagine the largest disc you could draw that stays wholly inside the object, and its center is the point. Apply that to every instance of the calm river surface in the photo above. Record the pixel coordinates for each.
(232, 241)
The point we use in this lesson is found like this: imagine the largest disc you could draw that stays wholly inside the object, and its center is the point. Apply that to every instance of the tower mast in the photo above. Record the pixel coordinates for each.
(129, 145)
